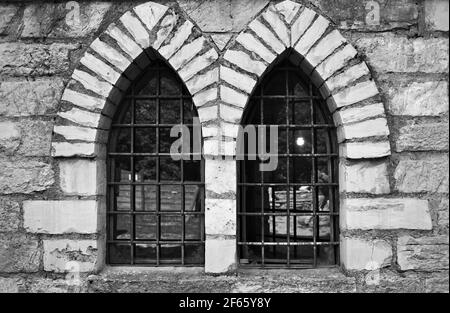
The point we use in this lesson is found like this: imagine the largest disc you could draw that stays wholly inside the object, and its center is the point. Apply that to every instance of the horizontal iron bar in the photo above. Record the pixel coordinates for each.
(150, 183)
(170, 213)
(289, 214)
(289, 184)
(292, 243)
(154, 242)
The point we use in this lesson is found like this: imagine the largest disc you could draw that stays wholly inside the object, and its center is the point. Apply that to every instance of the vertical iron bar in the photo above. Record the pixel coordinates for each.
(158, 163)
(262, 177)
(183, 216)
(288, 198)
(313, 167)
(132, 188)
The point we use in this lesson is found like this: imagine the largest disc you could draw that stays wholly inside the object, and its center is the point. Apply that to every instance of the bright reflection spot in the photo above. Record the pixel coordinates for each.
(300, 141)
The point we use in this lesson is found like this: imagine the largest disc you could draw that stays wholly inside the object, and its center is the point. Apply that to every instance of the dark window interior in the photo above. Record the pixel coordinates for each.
(155, 204)
(288, 217)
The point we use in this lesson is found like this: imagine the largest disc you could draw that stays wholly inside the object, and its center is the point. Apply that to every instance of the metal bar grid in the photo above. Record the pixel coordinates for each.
(280, 209)
(173, 237)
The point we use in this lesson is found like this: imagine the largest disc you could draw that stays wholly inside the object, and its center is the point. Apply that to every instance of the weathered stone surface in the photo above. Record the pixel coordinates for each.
(7, 12)
(365, 150)
(222, 16)
(362, 254)
(221, 178)
(49, 285)
(369, 128)
(135, 27)
(232, 96)
(423, 137)
(9, 215)
(353, 94)
(335, 62)
(419, 99)
(432, 171)
(187, 53)
(351, 115)
(10, 285)
(230, 114)
(267, 36)
(78, 177)
(30, 97)
(364, 177)
(220, 255)
(33, 59)
(236, 79)
(205, 96)
(423, 253)
(244, 61)
(221, 40)
(71, 19)
(436, 15)
(82, 117)
(62, 254)
(182, 33)
(19, 253)
(252, 44)
(59, 217)
(100, 68)
(66, 149)
(438, 282)
(206, 114)
(442, 213)
(288, 9)
(23, 176)
(312, 34)
(394, 53)
(197, 64)
(371, 15)
(220, 216)
(325, 47)
(9, 137)
(385, 213)
(347, 77)
(198, 82)
(389, 281)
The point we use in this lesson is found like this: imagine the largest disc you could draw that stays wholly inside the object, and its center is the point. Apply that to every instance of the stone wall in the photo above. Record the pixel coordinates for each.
(389, 91)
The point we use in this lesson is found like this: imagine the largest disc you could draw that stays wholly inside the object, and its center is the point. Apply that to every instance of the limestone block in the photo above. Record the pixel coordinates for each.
(232, 96)
(100, 68)
(206, 114)
(236, 79)
(177, 41)
(353, 94)
(423, 137)
(230, 114)
(65, 149)
(79, 177)
(347, 77)
(363, 254)
(9, 215)
(301, 24)
(7, 12)
(128, 45)
(267, 36)
(220, 255)
(272, 18)
(59, 217)
(61, 254)
(365, 150)
(76, 133)
(368, 128)
(311, 35)
(436, 15)
(220, 216)
(110, 54)
(92, 83)
(250, 43)
(357, 114)
(9, 137)
(82, 117)
(136, 29)
(200, 81)
(83, 100)
(197, 64)
(150, 13)
(335, 62)
(245, 62)
(221, 177)
(187, 53)
(288, 9)
(19, 253)
(325, 47)
(364, 177)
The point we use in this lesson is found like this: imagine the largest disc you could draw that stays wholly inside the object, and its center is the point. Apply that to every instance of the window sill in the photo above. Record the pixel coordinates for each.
(194, 279)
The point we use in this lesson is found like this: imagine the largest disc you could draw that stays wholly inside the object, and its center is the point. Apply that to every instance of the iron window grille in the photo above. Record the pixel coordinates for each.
(155, 204)
(289, 217)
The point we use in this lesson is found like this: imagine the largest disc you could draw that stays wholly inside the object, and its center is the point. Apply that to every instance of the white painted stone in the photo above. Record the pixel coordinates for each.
(211, 147)
(229, 129)
(76, 133)
(166, 27)
(60, 217)
(275, 21)
(236, 79)
(325, 47)
(420, 99)
(220, 216)
(436, 15)
(205, 96)
(221, 177)
(335, 62)
(221, 40)
(206, 114)
(361, 254)
(230, 114)
(364, 177)
(177, 41)
(197, 64)
(347, 77)
(110, 54)
(267, 36)
(198, 82)
(245, 62)
(352, 95)
(128, 45)
(210, 131)
(136, 29)
(288, 9)
(250, 43)
(356, 114)
(369, 128)
(85, 118)
(186, 53)
(83, 100)
(9, 130)
(232, 96)
(220, 255)
(78, 177)
(228, 148)
(311, 36)
(101, 68)
(301, 24)
(65, 149)
(150, 13)
(385, 213)
(59, 253)
(90, 82)
(365, 150)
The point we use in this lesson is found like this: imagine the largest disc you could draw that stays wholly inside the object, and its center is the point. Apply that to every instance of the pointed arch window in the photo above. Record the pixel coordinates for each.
(288, 217)
(155, 203)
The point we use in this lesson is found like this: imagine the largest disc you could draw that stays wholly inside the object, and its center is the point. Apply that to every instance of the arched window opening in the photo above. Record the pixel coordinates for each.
(155, 203)
(289, 217)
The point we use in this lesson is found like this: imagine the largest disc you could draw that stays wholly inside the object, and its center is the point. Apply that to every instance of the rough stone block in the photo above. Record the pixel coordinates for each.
(60, 217)
(419, 99)
(394, 53)
(325, 47)
(220, 217)
(230, 114)
(423, 137)
(34, 59)
(436, 15)
(252, 44)
(376, 127)
(136, 29)
(197, 64)
(9, 215)
(267, 36)
(232, 96)
(272, 18)
(311, 35)
(19, 253)
(365, 150)
(200, 81)
(432, 171)
(301, 24)
(288, 9)
(35, 139)
(220, 255)
(385, 213)
(7, 12)
(9, 137)
(66, 149)
(62, 254)
(423, 253)
(354, 94)
(364, 177)
(236, 79)
(244, 61)
(187, 53)
(10, 285)
(221, 178)
(347, 77)
(82, 117)
(356, 114)
(79, 177)
(181, 35)
(363, 254)
(23, 176)
(27, 98)
(438, 282)
(335, 62)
